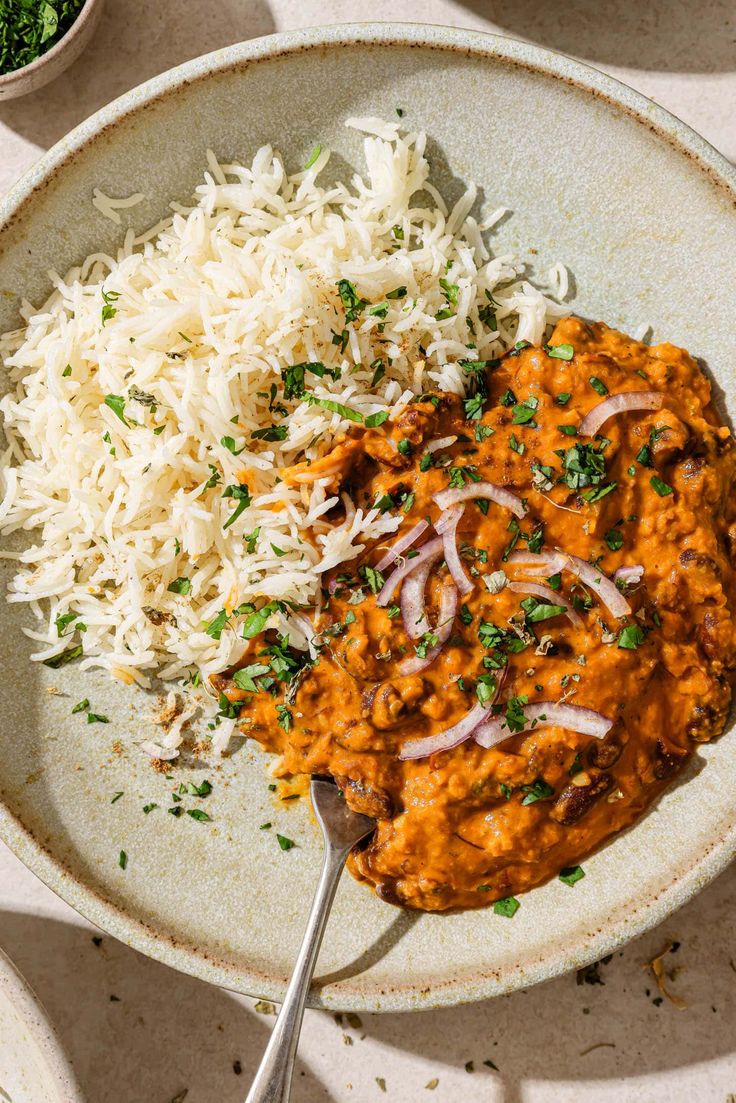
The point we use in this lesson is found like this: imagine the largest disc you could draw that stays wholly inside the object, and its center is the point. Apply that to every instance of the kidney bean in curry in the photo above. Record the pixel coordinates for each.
(468, 826)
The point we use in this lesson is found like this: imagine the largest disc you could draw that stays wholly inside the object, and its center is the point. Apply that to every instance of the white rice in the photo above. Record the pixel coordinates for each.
(213, 304)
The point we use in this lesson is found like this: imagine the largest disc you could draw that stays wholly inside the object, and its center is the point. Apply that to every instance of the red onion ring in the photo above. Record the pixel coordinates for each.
(549, 595)
(440, 442)
(447, 518)
(573, 717)
(458, 733)
(408, 567)
(448, 607)
(153, 750)
(539, 563)
(592, 576)
(413, 612)
(497, 494)
(618, 404)
(553, 562)
(630, 576)
(452, 556)
(447, 739)
(402, 544)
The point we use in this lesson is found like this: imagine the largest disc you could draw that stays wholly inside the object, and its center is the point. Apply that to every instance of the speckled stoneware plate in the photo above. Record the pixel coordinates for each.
(33, 1066)
(642, 211)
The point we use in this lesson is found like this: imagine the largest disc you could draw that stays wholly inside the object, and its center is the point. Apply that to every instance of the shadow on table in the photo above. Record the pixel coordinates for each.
(112, 1007)
(135, 40)
(677, 36)
(611, 1024)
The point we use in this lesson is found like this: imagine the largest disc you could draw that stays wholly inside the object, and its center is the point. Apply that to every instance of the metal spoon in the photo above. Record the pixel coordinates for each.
(342, 829)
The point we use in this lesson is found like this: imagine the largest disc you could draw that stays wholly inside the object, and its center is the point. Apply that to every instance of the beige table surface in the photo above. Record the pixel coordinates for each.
(141, 1033)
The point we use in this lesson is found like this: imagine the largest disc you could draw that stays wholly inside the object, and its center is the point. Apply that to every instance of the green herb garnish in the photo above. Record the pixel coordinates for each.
(180, 585)
(570, 875)
(631, 638)
(660, 486)
(560, 352)
(508, 907)
(28, 28)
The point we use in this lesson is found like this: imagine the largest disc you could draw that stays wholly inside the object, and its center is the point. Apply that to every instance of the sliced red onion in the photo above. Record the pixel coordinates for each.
(408, 567)
(154, 750)
(618, 404)
(458, 733)
(413, 612)
(629, 576)
(546, 563)
(592, 576)
(443, 631)
(552, 562)
(332, 585)
(439, 443)
(452, 557)
(549, 595)
(448, 518)
(546, 714)
(497, 494)
(447, 739)
(402, 544)
(307, 629)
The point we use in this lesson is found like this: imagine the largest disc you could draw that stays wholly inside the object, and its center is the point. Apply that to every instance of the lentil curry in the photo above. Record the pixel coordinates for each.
(590, 647)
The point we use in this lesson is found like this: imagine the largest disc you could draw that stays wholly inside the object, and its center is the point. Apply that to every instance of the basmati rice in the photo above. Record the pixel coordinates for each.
(138, 386)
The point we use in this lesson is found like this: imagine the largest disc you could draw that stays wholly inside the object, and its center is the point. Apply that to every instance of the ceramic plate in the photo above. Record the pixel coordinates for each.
(642, 211)
(33, 1067)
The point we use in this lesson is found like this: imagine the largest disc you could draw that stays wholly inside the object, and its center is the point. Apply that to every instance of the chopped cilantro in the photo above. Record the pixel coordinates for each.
(116, 403)
(631, 638)
(373, 577)
(538, 790)
(537, 611)
(508, 907)
(523, 412)
(570, 875)
(284, 842)
(614, 539)
(660, 486)
(560, 352)
(334, 407)
(374, 420)
(180, 585)
(284, 717)
(65, 657)
(270, 433)
(598, 385)
(242, 495)
(257, 621)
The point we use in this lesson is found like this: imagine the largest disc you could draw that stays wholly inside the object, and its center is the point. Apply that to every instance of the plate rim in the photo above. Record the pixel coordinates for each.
(41, 1029)
(476, 44)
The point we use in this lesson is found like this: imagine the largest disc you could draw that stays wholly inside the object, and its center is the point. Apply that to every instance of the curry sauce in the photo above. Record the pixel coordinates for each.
(652, 489)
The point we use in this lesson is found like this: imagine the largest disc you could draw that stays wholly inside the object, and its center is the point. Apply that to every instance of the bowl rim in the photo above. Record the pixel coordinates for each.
(475, 44)
(38, 63)
(35, 1018)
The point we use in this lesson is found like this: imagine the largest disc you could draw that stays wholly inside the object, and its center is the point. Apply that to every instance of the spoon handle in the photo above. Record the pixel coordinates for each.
(272, 1083)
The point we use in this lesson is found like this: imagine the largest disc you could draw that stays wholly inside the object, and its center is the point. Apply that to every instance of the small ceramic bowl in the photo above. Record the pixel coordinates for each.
(52, 64)
(33, 1066)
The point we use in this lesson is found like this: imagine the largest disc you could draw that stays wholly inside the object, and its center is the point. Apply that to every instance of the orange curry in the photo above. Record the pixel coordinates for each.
(651, 489)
